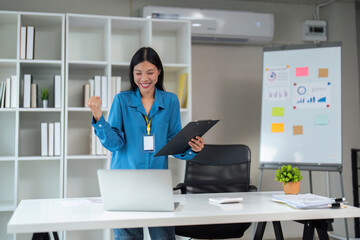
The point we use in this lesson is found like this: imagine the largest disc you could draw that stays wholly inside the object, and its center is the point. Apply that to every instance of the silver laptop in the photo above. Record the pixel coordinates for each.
(136, 189)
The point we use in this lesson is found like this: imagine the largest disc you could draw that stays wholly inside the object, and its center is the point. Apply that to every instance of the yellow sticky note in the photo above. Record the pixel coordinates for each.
(278, 111)
(323, 72)
(298, 130)
(277, 127)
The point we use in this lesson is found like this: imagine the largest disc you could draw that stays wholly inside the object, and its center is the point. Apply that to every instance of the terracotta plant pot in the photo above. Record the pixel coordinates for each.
(291, 187)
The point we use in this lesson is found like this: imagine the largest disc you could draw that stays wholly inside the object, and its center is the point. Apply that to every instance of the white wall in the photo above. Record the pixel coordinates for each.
(227, 78)
(99, 7)
(350, 87)
(233, 76)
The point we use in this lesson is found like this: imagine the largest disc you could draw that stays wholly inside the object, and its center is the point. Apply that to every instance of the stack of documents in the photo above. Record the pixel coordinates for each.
(304, 200)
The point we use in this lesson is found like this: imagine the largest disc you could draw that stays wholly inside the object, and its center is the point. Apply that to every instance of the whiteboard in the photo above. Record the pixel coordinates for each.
(301, 106)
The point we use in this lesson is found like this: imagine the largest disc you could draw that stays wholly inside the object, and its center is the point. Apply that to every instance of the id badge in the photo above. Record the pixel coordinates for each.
(149, 143)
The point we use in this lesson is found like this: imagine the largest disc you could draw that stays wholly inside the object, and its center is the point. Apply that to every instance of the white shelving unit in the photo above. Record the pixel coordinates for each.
(87, 54)
(103, 45)
(95, 45)
(24, 173)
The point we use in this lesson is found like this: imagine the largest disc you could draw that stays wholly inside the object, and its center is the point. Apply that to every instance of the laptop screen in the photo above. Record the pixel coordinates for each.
(136, 189)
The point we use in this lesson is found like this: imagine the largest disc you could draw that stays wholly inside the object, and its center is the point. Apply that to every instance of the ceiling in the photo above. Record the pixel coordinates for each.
(306, 2)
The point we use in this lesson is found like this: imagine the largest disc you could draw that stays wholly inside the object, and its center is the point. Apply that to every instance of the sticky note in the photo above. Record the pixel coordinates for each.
(298, 130)
(302, 71)
(278, 111)
(321, 120)
(277, 127)
(323, 72)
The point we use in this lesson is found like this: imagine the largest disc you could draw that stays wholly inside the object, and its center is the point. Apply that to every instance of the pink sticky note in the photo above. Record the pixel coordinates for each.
(302, 71)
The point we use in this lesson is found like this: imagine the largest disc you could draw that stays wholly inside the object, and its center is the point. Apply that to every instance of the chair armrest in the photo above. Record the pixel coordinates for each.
(181, 187)
(252, 188)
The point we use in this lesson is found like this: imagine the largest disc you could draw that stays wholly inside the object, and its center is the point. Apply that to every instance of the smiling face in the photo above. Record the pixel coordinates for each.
(145, 77)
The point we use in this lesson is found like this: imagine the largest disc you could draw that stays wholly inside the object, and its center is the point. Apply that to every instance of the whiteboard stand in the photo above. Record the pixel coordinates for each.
(301, 118)
(310, 168)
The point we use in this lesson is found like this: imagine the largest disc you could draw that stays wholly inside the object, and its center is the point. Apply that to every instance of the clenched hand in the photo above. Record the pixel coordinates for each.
(94, 104)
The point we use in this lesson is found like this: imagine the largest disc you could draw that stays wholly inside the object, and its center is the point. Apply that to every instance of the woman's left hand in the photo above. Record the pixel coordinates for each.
(196, 144)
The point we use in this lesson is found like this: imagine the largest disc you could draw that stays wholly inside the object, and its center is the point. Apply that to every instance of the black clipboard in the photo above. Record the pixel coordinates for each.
(179, 143)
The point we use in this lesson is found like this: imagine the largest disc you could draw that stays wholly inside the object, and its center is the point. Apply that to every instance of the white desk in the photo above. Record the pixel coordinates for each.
(49, 215)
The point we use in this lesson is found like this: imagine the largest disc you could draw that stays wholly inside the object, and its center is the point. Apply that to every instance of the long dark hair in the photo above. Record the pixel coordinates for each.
(146, 54)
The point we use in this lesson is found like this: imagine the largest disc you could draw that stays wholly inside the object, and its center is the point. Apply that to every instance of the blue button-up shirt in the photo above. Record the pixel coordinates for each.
(126, 126)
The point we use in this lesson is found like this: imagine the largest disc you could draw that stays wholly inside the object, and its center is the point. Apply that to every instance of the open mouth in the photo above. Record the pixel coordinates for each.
(145, 85)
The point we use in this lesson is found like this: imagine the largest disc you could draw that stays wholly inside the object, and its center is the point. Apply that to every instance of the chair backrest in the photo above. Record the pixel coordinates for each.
(219, 168)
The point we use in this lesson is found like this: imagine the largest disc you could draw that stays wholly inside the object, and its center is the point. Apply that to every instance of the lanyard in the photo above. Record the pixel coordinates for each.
(148, 123)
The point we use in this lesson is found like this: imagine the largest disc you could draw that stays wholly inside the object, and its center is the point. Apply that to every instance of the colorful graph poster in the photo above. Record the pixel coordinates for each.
(277, 83)
(312, 95)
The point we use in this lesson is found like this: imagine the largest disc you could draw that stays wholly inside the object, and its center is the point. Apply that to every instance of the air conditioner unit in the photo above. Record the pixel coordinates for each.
(220, 26)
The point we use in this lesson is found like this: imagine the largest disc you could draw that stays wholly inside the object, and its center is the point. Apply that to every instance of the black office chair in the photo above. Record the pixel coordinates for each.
(217, 168)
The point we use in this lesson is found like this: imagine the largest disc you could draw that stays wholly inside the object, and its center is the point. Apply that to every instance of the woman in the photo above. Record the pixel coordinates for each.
(141, 121)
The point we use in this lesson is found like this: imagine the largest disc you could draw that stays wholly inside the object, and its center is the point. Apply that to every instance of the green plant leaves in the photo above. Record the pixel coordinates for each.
(287, 174)
(44, 94)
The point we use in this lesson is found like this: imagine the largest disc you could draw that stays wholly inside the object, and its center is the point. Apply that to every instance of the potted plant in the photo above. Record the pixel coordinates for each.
(45, 97)
(290, 178)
